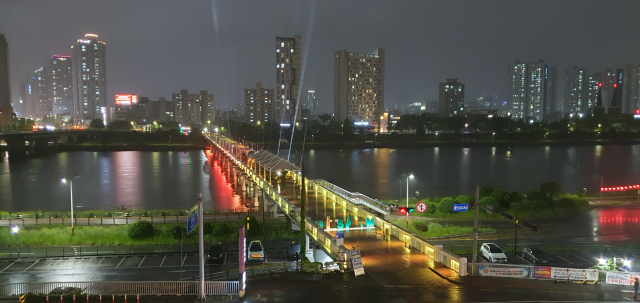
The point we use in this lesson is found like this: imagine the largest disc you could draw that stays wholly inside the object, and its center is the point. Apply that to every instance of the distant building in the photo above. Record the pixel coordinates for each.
(259, 104)
(160, 111)
(38, 99)
(288, 72)
(576, 84)
(432, 106)
(358, 86)
(592, 89)
(451, 101)
(312, 103)
(89, 65)
(531, 90)
(488, 101)
(61, 80)
(631, 89)
(194, 109)
(6, 110)
(415, 108)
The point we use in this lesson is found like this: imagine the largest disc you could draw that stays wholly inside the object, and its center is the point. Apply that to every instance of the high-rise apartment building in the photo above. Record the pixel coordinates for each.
(38, 99)
(552, 93)
(288, 70)
(312, 104)
(529, 93)
(6, 110)
(358, 86)
(61, 85)
(259, 104)
(194, 109)
(451, 100)
(592, 92)
(576, 91)
(89, 67)
(631, 89)
(160, 111)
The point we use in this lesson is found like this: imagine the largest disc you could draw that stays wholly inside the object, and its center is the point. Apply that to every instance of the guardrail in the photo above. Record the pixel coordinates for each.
(355, 198)
(79, 221)
(219, 288)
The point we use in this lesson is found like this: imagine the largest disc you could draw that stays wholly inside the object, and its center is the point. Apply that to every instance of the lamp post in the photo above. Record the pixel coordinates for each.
(375, 138)
(493, 135)
(14, 231)
(64, 180)
(410, 176)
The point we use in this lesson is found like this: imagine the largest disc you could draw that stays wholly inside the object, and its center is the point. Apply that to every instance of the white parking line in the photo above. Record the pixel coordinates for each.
(120, 262)
(100, 261)
(225, 258)
(577, 256)
(564, 259)
(142, 261)
(7, 266)
(34, 263)
(165, 256)
(185, 258)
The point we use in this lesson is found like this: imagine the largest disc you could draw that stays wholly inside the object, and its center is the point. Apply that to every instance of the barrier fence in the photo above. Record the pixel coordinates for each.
(119, 220)
(13, 252)
(220, 288)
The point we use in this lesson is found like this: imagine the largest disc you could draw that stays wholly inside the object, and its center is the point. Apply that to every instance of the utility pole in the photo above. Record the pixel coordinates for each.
(475, 225)
(515, 238)
(601, 184)
(303, 216)
(201, 246)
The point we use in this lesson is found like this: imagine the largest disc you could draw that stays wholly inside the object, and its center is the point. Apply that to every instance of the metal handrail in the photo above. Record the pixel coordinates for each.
(125, 288)
(355, 198)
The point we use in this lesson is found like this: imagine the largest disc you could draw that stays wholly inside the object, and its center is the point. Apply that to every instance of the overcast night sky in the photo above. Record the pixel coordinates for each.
(157, 47)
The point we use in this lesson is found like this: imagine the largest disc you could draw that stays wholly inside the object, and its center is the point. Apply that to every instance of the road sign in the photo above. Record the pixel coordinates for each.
(460, 207)
(192, 222)
(421, 207)
(340, 235)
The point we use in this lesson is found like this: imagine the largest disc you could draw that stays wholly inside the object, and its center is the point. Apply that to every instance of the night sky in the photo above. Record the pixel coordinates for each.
(157, 47)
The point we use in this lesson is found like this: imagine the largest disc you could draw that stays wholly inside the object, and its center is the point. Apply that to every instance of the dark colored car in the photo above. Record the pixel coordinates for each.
(293, 250)
(215, 252)
(534, 255)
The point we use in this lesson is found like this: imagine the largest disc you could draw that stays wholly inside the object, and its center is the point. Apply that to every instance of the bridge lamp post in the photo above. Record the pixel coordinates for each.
(64, 180)
(410, 176)
(14, 231)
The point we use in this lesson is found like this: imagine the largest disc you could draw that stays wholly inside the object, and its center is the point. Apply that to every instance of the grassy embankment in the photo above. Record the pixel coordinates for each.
(428, 230)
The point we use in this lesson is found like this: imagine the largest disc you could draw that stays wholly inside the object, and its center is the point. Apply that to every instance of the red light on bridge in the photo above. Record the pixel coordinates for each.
(615, 85)
(620, 188)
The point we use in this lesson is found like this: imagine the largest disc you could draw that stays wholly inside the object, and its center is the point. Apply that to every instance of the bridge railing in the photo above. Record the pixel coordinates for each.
(355, 198)
(220, 288)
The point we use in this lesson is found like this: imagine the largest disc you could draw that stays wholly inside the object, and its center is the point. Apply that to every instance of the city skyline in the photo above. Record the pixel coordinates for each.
(227, 75)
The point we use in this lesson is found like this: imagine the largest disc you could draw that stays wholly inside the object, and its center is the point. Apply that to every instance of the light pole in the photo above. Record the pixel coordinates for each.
(493, 135)
(410, 176)
(64, 180)
(14, 231)
(375, 138)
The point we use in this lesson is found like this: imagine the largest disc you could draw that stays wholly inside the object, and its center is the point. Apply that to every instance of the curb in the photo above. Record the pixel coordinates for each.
(446, 278)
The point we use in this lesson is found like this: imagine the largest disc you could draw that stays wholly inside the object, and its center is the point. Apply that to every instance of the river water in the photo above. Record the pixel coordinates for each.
(172, 180)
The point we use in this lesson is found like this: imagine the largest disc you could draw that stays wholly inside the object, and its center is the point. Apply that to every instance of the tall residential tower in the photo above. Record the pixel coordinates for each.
(288, 69)
(451, 98)
(89, 67)
(358, 85)
(531, 90)
(6, 110)
(576, 84)
(61, 85)
(258, 104)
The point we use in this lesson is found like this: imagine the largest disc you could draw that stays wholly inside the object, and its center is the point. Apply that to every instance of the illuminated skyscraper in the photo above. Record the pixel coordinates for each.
(288, 69)
(576, 84)
(6, 110)
(258, 104)
(531, 90)
(61, 85)
(451, 100)
(89, 67)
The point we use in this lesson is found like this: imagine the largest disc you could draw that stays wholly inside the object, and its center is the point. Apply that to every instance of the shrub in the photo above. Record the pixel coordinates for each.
(420, 225)
(492, 202)
(462, 199)
(446, 205)
(176, 231)
(140, 230)
(312, 267)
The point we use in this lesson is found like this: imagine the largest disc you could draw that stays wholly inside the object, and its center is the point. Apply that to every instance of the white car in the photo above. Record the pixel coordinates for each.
(256, 251)
(493, 253)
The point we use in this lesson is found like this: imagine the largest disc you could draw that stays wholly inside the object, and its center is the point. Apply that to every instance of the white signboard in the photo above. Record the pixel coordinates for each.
(503, 271)
(574, 274)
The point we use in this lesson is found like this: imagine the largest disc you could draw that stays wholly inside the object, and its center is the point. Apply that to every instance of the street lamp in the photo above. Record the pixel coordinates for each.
(64, 180)
(410, 176)
(375, 138)
(493, 135)
(14, 231)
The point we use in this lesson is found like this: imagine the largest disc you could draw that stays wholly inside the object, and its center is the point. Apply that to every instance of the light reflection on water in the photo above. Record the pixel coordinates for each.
(140, 180)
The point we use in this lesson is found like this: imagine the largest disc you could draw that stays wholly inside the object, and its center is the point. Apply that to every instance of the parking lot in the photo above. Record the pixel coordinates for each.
(158, 267)
(568, 260)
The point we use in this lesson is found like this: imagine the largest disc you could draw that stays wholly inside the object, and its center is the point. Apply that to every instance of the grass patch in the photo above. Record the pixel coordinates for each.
(428, 230)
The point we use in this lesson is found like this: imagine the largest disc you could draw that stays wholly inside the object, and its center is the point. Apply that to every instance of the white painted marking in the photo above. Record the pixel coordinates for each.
(120, 262)
(100, 261)
(583, 258)
(563, 259)
(142, 261)
(7, 266)
(34, 263)
(165, 256)
(185, 258)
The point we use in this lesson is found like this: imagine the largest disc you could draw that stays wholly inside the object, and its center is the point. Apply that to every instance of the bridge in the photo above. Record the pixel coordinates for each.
(383, 245)
(19, 143)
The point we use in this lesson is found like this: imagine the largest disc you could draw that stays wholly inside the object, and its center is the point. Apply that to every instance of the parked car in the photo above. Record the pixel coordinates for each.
(215, 252)
(534, 255)
(256, 251)
(493, 253)
(293, 250)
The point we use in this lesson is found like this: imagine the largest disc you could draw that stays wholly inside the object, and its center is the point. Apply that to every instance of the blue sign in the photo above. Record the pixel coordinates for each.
(460, 207)
(340, 235)
(193, 219)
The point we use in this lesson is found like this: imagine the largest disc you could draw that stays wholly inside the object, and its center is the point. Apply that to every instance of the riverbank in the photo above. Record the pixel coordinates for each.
(503, 144)
(129, 147)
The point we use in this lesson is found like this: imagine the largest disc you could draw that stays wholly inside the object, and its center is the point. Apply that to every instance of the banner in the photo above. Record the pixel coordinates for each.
(499, 271)
(575, 274)
(541, 272)
(619, 278)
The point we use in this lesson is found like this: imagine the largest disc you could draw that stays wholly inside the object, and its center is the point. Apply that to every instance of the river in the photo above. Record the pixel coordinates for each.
(172, 180)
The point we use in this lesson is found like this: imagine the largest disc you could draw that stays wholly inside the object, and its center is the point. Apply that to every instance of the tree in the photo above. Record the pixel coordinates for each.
(446, 205)
(120, 124)
(97, 124)
(550, 188)
(347, 127)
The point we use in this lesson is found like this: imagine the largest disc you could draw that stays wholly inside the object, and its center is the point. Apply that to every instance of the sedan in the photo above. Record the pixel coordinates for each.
(534, 255)
(256, 251)
(493, 253)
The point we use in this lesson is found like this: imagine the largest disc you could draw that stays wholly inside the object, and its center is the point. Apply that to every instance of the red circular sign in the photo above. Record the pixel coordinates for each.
(421, 207)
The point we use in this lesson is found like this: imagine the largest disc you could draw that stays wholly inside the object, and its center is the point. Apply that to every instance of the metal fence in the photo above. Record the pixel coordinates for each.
(355, 198)
(118, 220)
(12, 252)
(220, 288)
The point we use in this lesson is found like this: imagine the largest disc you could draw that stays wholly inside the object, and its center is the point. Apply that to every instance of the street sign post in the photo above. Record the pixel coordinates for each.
(192, 222)
(460, 207)
(421, 207)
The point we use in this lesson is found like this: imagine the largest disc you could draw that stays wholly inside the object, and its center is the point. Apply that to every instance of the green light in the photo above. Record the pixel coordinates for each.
(411, 210)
